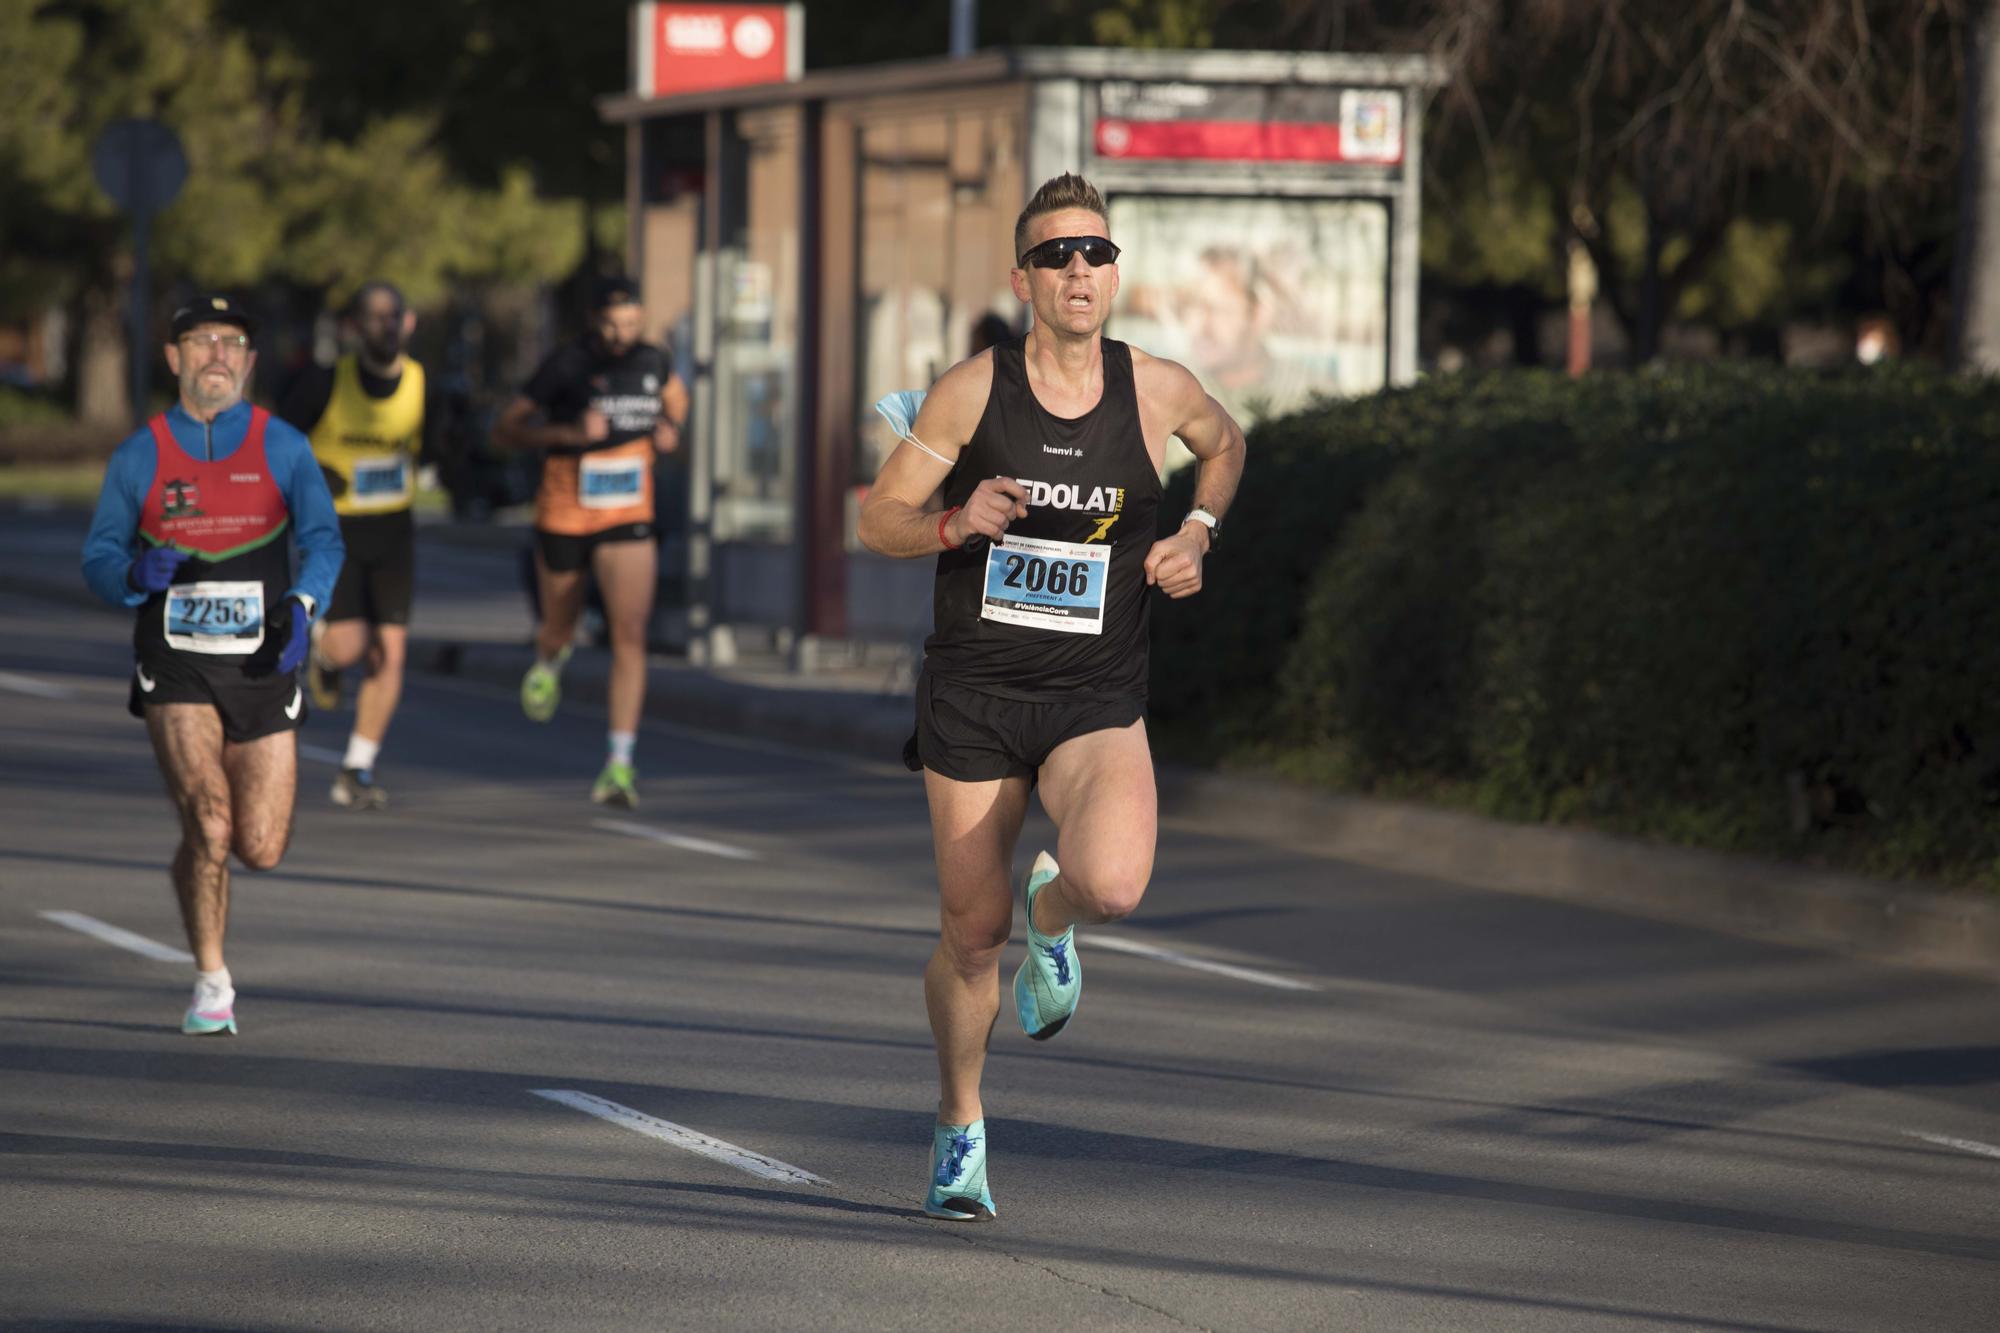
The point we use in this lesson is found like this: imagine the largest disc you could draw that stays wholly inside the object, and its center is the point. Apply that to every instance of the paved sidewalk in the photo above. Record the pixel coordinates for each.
(472, 620)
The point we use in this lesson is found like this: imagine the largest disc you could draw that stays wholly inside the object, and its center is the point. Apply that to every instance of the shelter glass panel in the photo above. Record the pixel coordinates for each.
(939, 190)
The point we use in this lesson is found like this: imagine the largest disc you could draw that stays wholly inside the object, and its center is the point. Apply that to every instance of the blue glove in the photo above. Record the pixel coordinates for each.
(899, 409)
(154, 570)
(295, 646)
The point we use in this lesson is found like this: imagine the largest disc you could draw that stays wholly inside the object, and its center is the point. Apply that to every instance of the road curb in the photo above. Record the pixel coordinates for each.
(1906, 923)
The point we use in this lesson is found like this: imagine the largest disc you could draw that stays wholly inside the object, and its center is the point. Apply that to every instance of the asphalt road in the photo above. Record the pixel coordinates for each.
(1300, 1094)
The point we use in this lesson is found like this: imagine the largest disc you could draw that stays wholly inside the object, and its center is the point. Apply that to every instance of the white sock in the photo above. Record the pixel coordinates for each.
(361, 752)
(555, 663)
(216, 983)
(621, 746)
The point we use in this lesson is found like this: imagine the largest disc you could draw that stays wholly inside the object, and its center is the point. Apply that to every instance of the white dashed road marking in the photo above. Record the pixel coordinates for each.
(680, 840)
(680, 1136)
(124, 939)
(1973, 1146)
(1120, 944)
(40, 689)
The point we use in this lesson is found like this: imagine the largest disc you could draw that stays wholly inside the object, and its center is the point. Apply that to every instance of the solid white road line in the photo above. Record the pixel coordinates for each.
(1973, 1146)
(680, 840)
(124, 939)
(322, 754)
(680, 1136)
(1119, 944)
(40, 689)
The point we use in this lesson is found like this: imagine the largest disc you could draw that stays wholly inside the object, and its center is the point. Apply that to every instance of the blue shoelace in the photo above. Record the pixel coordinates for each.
(954, 1159)
(1059, 955)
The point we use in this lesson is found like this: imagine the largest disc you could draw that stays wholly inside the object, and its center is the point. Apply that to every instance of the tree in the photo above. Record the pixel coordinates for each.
(267, 197)
(1657, 127)
(1976, 271)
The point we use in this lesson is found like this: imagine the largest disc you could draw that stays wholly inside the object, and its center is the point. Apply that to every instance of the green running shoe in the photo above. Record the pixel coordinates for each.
(614, 786)
(541, 688)
(958, 1174)
(1049, 984)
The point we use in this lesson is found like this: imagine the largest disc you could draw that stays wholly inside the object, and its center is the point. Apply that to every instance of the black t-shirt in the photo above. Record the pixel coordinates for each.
(626, 389)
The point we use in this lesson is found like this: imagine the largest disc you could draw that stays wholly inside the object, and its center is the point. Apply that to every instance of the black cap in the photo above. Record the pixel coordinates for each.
(613, 289)
(213, 309)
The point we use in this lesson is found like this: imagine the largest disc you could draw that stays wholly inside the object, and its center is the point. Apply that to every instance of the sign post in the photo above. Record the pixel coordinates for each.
(139, 163)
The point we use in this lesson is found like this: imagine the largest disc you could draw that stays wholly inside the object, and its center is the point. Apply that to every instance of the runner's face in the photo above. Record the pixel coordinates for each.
(211, 366)
(618, 327)
(380, 323)
(1075, 299)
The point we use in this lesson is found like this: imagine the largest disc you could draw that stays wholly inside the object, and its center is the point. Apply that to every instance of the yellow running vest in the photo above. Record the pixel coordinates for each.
(371, 443)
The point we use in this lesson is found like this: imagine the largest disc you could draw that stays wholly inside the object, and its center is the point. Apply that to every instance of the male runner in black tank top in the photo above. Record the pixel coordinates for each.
(1046, 456)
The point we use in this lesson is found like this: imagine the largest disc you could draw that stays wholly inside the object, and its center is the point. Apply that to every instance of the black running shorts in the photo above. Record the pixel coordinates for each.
(379, 573)
(250, 706)
(970, 736)
(564, 554)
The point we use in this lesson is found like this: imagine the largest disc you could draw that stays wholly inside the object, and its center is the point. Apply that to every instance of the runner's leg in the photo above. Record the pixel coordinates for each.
(187, 743)
(263, 777)
(1098, 789)
(375, 704)
(974, 826)
(342, 643)
(627, 574)
(562, 603)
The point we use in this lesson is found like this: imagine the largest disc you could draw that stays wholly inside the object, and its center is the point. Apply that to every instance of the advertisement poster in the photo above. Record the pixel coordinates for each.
(1268, 301)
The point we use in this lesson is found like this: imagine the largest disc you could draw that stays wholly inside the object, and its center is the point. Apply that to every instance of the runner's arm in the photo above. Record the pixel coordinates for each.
(304, 401)
(516, 428)
(114, 527)
(896, 518)
(1210, 434)
(315, 527)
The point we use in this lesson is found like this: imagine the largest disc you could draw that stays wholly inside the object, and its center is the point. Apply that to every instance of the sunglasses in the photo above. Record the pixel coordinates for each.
(1055, 253)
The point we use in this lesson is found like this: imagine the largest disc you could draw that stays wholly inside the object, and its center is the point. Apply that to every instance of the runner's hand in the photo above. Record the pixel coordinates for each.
(1174, 565)
(594, 425)
(154, 570)
(666, 437)
(295, 647)
(997, 502)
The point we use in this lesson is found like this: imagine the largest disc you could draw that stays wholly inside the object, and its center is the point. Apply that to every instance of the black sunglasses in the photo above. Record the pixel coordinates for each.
(1055, 253)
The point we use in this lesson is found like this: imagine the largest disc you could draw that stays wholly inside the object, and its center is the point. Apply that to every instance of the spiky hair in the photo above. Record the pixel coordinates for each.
(1061, 192)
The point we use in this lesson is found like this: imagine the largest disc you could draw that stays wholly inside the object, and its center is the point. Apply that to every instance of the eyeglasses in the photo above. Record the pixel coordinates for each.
(1055, 253)
(217, 342)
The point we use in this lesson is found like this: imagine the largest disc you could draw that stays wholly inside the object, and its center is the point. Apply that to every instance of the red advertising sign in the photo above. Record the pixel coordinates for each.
(1248, 123)
(693, 48)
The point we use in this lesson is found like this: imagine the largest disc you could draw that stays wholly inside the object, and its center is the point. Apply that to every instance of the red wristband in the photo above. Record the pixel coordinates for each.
(943, 519)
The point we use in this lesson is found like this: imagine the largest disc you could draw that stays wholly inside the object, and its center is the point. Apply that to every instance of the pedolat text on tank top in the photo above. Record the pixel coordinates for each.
(1058, 608)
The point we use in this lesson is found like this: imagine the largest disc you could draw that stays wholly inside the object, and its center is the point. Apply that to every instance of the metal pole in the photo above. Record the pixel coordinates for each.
(137, 313)
(964, 27)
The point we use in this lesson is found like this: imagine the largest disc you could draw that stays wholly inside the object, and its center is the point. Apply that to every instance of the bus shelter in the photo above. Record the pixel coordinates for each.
(811, 245)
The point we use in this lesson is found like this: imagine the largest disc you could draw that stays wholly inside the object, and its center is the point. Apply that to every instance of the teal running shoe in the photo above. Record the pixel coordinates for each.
(1050, 982)
(212, 1011)
(541, 688)
(958, 1174)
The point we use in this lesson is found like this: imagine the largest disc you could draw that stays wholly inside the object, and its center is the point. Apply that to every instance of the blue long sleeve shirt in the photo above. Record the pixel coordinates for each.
(113, 542)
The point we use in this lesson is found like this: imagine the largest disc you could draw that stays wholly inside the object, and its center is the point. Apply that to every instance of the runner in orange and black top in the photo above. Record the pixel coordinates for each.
(600, 409)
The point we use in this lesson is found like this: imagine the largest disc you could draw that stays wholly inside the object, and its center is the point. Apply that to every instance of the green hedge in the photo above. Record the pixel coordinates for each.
(1740, 607)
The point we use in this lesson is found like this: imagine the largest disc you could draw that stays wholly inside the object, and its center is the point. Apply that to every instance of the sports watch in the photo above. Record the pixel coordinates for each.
(1207, 520)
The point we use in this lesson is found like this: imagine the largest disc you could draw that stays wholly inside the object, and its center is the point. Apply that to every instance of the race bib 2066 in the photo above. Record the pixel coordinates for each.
(1046, 584)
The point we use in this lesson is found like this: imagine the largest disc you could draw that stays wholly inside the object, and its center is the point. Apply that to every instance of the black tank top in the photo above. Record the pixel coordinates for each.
(1060, 610)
